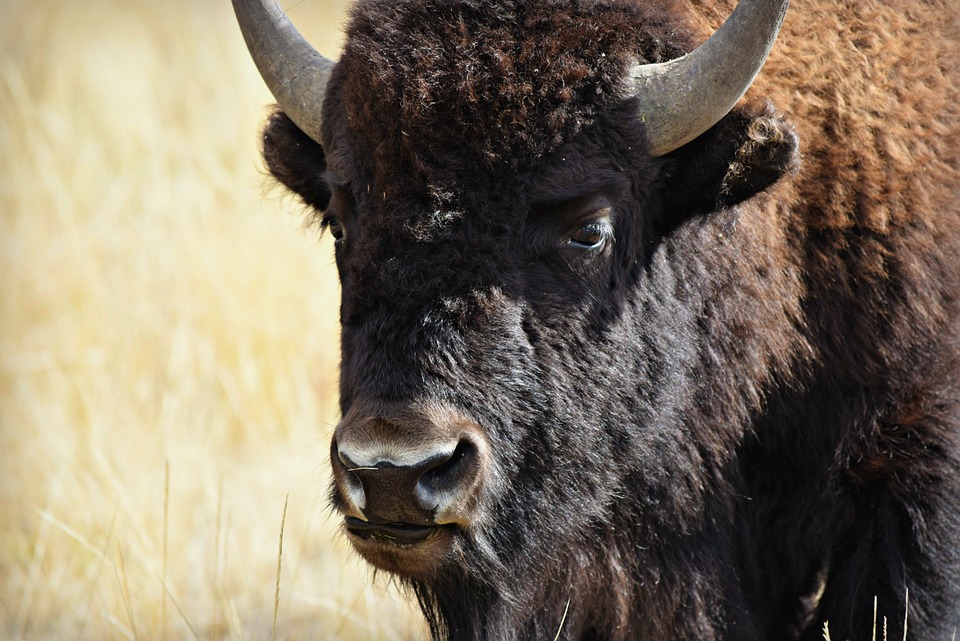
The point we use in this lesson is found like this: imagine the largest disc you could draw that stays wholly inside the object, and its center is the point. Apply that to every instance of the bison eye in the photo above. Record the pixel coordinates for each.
(590, 236)
(333, 224)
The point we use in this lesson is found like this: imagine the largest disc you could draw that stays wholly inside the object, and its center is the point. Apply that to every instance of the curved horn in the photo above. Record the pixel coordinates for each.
(292, 69)
(683, 98)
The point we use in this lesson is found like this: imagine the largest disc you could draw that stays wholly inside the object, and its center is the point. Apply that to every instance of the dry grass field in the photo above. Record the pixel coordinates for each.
(168, 341)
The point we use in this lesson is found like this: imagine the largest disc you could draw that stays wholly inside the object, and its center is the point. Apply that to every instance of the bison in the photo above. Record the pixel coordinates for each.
(626, 355)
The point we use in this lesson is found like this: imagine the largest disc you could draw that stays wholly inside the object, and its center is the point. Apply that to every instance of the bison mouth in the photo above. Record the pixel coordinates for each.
(396, 533)
(402, 548)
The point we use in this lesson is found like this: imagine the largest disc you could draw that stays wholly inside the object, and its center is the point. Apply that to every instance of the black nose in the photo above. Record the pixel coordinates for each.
(414, 492)
(421, 465)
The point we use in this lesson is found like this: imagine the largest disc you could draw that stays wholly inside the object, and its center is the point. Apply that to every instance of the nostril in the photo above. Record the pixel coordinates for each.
(349, 482)
(451, 472)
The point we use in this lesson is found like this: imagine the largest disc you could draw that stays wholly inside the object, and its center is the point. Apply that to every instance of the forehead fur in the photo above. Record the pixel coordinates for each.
(492, 83)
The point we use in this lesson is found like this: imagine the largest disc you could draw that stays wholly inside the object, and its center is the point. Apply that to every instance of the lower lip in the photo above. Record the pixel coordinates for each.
(395, 533)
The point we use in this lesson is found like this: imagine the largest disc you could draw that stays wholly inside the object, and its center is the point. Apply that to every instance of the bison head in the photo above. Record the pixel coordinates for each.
(529, 203)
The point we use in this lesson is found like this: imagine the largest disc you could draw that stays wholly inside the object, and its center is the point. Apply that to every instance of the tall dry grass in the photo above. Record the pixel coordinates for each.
(168, 341)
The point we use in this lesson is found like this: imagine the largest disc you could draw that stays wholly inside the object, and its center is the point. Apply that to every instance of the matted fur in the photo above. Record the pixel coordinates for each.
(740, 418)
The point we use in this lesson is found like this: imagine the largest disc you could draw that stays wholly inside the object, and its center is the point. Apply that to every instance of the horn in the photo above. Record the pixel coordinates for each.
(292, 69)
(683, 98)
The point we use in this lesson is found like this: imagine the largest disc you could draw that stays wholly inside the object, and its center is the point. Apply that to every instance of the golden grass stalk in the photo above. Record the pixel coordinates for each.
(176, 605)
(276, 592)
(873, 632)
(906, 612)
(563, 620)
(164, 554)
(124, 586)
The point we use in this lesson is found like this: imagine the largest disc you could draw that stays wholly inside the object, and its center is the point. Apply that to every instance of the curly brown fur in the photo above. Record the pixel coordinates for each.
(489, 80)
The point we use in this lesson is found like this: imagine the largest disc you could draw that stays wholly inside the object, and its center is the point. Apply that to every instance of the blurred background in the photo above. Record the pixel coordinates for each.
(168, 341)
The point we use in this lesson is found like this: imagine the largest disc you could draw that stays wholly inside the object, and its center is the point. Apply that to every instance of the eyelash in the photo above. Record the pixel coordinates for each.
(341, 202)
(333, 224)
(590, 236)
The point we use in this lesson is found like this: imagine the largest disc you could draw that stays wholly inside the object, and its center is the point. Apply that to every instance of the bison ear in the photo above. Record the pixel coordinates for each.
(296, 160)
(750, 149)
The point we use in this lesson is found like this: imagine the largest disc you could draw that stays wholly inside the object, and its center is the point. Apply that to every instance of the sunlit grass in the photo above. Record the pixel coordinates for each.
(168, 341)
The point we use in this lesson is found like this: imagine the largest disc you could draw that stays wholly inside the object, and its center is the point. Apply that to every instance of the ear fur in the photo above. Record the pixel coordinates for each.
(295, 160)
(743, 154)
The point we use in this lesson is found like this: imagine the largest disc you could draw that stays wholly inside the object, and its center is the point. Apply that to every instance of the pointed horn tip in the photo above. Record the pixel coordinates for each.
(681, 99)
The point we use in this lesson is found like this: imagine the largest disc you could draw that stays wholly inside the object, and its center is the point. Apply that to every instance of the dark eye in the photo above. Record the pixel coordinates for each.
(333, 224)
(590, 236)
(339, 208)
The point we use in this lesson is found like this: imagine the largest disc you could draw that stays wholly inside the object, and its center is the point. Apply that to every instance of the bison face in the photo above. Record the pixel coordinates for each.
(481, 322)
(517, 344)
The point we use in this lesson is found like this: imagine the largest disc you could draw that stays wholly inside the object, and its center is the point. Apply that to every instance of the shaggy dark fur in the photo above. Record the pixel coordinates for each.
(738, 418)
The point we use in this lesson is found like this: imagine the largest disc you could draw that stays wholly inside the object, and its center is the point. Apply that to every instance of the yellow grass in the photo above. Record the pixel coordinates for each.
(168, 341)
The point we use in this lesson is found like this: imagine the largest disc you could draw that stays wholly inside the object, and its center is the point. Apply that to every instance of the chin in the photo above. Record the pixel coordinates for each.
(411, 553)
